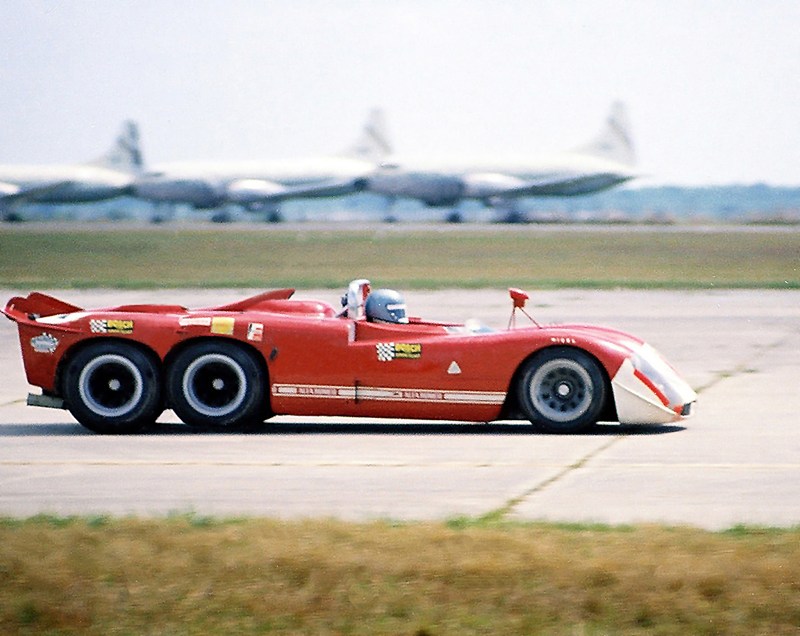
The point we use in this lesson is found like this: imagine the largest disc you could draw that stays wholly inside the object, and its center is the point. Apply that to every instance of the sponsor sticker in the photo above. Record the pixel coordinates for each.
(222, 326)
(255, 331)
(111, 325)
(45, 343)
(195, 321)
(388, 351)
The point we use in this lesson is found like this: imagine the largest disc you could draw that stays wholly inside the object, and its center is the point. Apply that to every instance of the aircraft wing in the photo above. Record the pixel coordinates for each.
(490, 185)
(8, 190)
(12, 193)
(258, 191)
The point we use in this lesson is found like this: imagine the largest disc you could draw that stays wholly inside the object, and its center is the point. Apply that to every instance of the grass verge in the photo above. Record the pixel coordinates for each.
(198, 575)
(32, 257)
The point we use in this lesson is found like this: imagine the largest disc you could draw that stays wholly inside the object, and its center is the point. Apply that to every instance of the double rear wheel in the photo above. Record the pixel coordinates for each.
(113, 387)
(217, 384)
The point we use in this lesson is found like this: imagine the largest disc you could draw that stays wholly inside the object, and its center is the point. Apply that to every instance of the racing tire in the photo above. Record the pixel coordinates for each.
(113, 388)
(217, 385)
(562, 390)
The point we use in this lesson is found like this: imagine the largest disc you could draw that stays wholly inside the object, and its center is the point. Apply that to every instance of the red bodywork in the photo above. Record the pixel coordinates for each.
(317, 362)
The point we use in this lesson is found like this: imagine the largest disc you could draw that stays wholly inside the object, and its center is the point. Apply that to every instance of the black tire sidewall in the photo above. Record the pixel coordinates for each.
(540, 420)
(249, 413)
(145, 411)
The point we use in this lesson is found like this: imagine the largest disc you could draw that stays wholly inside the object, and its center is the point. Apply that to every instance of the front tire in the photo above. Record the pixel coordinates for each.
(217, 385)
(562, 390)
(113, 388)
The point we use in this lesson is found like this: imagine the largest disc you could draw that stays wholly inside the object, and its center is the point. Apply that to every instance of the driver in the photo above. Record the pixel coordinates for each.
(386, 305)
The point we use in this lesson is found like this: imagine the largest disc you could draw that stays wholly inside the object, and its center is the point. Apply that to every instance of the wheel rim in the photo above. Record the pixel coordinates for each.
(561, 390)
(110, 385)
(214, 385)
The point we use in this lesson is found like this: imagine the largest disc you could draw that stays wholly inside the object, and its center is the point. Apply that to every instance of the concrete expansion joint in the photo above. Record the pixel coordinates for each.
(726, 374)
(509, 506)
(747, 366)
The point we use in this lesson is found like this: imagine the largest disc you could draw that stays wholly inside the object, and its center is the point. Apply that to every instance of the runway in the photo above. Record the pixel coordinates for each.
(736, 461)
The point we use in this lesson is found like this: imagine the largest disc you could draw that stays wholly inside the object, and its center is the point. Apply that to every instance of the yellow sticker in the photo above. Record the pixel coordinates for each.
(111, 325)
(222, 326)
(388, 351)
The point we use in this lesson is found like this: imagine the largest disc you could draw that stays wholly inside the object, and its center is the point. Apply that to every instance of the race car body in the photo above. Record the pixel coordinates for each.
(116, 369)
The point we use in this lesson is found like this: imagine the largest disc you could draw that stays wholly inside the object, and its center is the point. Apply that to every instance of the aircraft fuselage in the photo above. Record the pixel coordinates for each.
(444, 182)
(65, 184)
(209, 185)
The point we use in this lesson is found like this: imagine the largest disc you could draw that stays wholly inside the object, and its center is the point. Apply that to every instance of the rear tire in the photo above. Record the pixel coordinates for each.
(217, 384)
(113, 388)
(562, 390)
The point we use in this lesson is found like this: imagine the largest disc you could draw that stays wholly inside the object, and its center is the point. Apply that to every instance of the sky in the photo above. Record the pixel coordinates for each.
(712, 87)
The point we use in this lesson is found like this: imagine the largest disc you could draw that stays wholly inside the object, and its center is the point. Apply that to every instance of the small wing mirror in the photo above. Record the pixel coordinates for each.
(518, 297)
(518, 300)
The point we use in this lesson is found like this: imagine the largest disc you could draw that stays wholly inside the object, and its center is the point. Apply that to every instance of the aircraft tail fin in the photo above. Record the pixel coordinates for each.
(614, 140)
(373, 144)
(125, 155)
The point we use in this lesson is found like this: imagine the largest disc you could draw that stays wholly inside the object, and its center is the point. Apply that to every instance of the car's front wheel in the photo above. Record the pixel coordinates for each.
(113, 387)
(562, 390)
(217, 384)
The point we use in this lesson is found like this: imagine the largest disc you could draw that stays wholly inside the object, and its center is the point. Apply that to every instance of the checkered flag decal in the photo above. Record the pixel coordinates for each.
(98, 326)
(385, 351)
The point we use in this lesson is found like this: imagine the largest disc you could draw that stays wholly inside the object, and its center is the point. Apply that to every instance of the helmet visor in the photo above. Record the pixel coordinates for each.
(398, 312)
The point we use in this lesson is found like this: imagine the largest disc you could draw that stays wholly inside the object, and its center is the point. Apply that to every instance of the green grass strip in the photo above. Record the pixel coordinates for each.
(257, 257)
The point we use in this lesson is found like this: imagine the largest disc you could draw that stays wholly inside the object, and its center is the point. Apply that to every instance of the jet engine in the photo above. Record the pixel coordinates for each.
(199, 193)
(432, 189)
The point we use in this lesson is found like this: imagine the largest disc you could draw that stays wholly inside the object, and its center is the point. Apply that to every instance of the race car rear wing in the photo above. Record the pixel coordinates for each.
(36, 305)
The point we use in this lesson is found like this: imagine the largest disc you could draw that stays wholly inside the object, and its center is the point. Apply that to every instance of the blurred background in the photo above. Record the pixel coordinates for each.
(711, 91)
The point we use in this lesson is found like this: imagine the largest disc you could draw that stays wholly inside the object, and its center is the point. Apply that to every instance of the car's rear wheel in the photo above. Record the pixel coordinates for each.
(562, 390)
(113, 387)
(217, 384)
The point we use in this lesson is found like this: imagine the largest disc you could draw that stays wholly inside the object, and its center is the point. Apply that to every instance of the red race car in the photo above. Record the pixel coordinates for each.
(116, 369)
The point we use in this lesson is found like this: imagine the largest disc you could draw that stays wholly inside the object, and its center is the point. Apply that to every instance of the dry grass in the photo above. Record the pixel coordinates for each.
(189, 575)
(528, 256)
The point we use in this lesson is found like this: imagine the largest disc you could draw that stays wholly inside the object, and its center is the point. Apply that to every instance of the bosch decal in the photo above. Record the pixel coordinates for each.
(111, 325)
(388, 351)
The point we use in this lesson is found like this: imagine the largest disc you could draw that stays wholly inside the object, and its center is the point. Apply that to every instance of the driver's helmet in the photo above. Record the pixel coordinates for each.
(386, 305)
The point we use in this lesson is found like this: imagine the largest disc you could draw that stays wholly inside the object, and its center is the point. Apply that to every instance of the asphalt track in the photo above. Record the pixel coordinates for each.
(737, 461)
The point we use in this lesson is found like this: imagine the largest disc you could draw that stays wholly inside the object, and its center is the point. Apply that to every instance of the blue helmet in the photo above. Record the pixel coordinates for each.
(386, 305)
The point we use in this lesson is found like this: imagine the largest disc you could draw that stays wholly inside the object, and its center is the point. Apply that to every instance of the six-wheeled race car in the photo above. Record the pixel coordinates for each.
(116, 369)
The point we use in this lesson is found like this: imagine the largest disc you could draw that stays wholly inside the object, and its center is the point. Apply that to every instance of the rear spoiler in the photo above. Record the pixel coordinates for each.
(36, 305)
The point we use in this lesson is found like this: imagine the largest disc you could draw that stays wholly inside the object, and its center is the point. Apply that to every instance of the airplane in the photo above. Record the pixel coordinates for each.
(442, 182)
(109, 176)
(254, 185)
